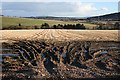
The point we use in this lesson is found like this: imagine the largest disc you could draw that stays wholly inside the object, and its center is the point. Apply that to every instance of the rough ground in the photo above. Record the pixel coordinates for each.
(38, 60)
(61, 35)
(30, 45)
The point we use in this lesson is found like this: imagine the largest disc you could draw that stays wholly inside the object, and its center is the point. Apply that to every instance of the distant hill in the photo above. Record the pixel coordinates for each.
(110, 17)
(58, 18)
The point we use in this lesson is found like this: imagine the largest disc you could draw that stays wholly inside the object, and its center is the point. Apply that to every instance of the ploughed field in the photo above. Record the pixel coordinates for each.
(59, 54)
(61, 60)
(60, 35)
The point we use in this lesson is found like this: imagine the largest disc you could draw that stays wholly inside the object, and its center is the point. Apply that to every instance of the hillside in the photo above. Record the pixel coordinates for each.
(9, 21)
(30, 22)
(111, 17)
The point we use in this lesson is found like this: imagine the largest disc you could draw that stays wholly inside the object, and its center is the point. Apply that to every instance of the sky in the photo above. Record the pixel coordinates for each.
(60, 0)
(59, 8)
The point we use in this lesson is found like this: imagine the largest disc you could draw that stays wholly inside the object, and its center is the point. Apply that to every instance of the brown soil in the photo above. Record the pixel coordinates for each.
(61, 35)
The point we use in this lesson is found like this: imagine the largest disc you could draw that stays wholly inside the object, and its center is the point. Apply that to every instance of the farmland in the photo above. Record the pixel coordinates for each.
(40, 59)
(68, 40)
(61, 35)
(58, 53)
(13, 21)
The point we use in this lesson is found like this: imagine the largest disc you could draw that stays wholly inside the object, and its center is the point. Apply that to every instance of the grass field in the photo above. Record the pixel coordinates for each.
(11, 21)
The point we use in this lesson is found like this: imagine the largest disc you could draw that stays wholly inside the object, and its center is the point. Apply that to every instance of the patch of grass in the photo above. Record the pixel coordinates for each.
(13, 21)
(88, 25)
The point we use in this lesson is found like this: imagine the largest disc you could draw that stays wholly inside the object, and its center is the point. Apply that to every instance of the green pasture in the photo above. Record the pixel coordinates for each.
(12, 21)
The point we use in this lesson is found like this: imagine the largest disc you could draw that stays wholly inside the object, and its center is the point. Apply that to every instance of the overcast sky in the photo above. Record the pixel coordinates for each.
(59, 0)
(66, 8)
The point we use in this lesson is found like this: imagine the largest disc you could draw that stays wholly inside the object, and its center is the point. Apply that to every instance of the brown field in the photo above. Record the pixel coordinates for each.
(60, 54)
(60, 35)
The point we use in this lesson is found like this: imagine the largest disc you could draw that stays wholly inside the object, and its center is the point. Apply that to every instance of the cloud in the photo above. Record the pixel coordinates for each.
(84, 8)
(51, 8)
(59, 0)
(104, 9)
(37, 9)
(0, 8)
(78, 9)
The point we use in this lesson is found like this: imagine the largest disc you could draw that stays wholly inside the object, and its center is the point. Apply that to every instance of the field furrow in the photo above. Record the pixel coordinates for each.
(60, 35)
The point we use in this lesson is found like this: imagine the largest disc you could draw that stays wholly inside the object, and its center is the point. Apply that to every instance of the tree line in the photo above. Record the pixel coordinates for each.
(63, 26)
(109, 26)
